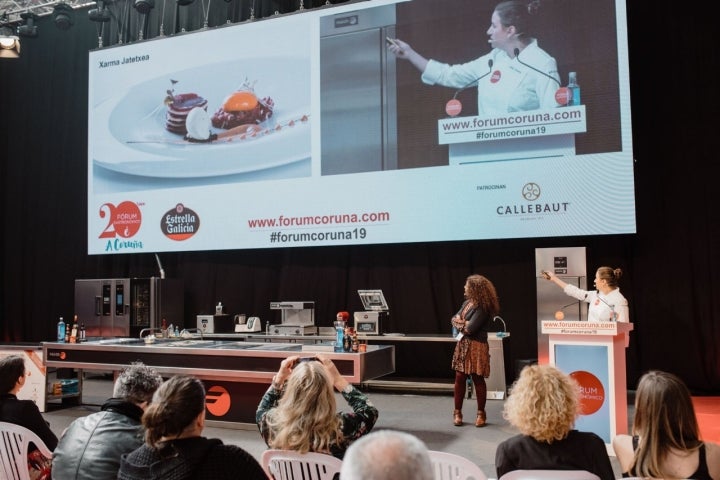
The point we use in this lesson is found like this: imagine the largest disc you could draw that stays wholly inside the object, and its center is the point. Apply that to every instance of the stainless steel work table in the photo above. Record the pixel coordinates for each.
(235, 373)
(422, 361)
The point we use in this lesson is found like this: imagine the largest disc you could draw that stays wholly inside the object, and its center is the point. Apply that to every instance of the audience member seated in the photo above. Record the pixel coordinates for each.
(543, 405)
(21, 412)
(91, 446)
(298, 412)
(174, 448)
(24, 413)
(387, 455)
(665, 441)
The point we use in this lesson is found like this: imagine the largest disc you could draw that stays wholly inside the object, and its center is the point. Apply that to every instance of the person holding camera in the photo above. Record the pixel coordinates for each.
(299, 412)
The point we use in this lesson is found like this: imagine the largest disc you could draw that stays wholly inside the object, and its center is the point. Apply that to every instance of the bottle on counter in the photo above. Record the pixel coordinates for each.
(81, 333)
(339, 335)
(347, 339)
(164, 328)
(74, 330)
(61, 330)
(355, 343)
(67, 333)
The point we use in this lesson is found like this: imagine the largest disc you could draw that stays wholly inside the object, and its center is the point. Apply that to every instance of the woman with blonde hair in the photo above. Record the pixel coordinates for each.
(543, 405)
(298, 412)
(665, 441)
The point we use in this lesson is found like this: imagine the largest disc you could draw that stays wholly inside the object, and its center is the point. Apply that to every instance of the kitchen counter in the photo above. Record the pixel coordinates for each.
(235, 373)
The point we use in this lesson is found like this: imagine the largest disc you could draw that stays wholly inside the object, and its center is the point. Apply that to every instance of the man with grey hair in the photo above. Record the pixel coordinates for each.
(90, 447)
(387, 455)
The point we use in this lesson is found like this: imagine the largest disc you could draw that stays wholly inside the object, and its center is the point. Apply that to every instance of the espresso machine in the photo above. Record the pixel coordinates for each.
(296, 318)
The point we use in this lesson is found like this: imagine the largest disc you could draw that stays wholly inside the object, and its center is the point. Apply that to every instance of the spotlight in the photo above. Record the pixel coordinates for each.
(144, 6)
(9, 43)
(99, 14)
(29, 29)
(63, 16)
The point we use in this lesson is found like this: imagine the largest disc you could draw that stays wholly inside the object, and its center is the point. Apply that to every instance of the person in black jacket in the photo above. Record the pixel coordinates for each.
(91, 446)
(174, 448)
(472, 353)
(543, 405)
(21, 412)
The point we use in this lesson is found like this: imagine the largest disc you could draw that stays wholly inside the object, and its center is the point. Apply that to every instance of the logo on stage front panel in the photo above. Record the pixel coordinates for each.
(592, 392)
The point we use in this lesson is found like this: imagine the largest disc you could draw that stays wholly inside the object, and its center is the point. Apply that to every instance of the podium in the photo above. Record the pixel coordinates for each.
(544, 133)
(593, 353)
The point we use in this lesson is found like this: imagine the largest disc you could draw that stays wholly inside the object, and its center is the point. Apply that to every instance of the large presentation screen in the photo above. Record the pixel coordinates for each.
(371, 122)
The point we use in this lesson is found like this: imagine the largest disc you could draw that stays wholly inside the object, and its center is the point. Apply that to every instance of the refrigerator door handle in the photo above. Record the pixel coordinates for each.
(98, 305)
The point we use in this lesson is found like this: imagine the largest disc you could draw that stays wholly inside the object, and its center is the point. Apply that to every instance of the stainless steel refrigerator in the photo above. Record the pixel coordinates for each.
(358, 92)
(122, 307)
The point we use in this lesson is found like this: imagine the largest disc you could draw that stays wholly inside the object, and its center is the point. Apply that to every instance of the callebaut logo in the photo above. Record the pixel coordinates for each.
(180, 223)
(217, 400)
(592, 392)
(123, 220)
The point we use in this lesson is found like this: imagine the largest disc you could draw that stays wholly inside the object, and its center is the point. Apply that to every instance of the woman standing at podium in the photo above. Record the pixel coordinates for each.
(472, 353)
(606, 303)
(516, 75)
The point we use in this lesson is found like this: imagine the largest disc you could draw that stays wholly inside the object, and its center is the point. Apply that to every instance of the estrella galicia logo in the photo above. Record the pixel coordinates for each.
(180, 223)
(531, 191)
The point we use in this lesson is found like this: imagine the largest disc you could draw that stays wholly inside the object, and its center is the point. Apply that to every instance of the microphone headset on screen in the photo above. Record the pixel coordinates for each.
(613, 315)
(490, 65)
(504, 333)
(569, 304)
(517, 55)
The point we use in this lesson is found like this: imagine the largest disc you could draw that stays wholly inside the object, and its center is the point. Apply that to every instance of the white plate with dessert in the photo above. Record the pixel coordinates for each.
(216, 120)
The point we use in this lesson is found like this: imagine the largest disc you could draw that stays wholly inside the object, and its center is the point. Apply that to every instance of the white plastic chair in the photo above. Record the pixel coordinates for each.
(449, 466)
(14, 441)
(549, 475)
(291, 465)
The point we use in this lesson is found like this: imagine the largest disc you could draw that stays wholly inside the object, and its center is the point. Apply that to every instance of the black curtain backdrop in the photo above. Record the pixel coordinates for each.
(672, 264)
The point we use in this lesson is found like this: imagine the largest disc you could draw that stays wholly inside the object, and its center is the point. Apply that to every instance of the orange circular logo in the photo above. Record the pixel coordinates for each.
(453, 107)
(592, 392)
(62, 356)
(563, 95)
(217, 400)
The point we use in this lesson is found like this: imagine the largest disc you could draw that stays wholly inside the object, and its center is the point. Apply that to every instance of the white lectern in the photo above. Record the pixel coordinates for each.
(542, 133)
(593, 353)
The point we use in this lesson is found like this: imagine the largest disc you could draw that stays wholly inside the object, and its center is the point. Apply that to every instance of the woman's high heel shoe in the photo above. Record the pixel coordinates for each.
(457, 418)
(481, 418)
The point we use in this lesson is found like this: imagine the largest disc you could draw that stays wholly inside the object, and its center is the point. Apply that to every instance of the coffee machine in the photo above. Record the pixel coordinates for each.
(296, 318)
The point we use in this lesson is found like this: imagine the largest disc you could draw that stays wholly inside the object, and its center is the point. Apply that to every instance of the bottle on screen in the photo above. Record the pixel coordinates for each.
(574, 88)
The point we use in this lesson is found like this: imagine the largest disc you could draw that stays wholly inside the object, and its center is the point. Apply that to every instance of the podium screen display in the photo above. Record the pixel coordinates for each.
(313, 129)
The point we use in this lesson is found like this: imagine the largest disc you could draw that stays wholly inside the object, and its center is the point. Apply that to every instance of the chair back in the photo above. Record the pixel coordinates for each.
(549, 475)
(291, 465)
(449, 466)
(14, 441)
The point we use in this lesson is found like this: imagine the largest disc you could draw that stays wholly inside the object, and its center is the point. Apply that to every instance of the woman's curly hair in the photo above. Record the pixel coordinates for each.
(481, 292)
(543, 404)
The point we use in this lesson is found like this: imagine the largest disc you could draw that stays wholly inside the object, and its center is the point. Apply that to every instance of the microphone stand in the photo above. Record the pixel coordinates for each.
(162, 272)
(517, 55)
(504, 333)
(490, 65)
(613, 315)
